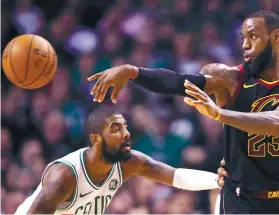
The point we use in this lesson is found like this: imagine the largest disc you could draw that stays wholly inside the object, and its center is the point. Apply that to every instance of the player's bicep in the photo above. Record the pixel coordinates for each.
(155, 170)
(58, 186)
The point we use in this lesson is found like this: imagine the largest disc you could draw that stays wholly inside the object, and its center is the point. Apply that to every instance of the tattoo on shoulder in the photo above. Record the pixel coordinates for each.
(58, 170)
(58, 185)
(221, 74)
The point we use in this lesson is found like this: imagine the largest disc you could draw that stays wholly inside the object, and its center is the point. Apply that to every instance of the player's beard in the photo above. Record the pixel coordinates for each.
(112, 155)
(265, 60)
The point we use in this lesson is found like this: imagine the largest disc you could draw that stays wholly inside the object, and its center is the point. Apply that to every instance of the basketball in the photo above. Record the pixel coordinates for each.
(29, 61)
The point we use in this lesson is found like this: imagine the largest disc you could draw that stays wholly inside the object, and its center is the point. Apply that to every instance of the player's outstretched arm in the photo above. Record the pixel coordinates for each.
(263, 123)
(187, 179)
(212, 78)
(58, 186)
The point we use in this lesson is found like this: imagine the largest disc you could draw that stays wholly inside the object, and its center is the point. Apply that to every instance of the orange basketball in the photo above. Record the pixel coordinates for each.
(29, 61)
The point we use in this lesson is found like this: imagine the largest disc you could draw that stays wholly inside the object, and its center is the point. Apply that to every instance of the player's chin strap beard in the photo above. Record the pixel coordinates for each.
(264, 61)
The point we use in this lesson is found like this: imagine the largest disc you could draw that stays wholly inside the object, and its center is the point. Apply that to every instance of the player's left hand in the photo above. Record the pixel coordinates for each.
(203, 102)
(222, 173)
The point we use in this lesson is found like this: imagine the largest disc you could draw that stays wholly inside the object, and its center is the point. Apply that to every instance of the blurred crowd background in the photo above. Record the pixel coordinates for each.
(38, 126)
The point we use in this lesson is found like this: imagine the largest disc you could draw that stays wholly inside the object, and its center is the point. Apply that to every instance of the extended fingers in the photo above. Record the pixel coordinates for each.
(115, 92)
(96, 86)
(103, 92)
(196, 95)
(222, 172)
(189, 101)
(223, 163)
(98, 91)
(194, 88)
(93, 77)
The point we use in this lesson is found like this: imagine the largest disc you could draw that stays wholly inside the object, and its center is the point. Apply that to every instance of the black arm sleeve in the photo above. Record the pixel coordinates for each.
(166, 81)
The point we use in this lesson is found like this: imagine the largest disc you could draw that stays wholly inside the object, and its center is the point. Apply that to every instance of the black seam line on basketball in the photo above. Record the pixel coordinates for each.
(76, 190)
(11, 63)
(84, 171)
(8, 48)
(40, 75)
(53, 73)
(28, 58)
(55, 58)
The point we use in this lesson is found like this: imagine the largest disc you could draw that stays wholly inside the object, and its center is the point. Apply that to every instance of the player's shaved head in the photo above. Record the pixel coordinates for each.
(271, 19)
(99, 117)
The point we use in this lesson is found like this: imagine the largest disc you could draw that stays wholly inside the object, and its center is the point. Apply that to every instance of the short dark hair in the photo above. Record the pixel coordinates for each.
(271, 19)
(97, 118)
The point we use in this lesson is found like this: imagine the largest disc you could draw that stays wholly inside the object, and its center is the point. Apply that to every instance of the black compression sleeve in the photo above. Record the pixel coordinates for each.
(166, 81)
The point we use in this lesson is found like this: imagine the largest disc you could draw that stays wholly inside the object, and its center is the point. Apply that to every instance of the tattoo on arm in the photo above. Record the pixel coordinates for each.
(220, 77)
(58, 186)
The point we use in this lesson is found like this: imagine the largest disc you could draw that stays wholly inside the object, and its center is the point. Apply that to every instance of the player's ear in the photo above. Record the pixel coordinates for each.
(95, 139)
(275, 36)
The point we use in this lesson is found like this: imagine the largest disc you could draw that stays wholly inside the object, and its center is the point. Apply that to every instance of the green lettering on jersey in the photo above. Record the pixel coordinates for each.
(100, 204)
(79, 208)
(88, 204)
(96, 204)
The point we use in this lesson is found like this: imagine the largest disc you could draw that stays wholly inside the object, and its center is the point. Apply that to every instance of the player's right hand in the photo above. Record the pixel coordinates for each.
(117, 77)
(222, 173)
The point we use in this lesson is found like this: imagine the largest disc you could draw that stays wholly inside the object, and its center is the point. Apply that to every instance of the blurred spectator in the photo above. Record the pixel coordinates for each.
(269, 5)
(121, 203)
(28, 18)
(40, 106)
(6, 154)
(38, 168)
(26, 182)
(30, 151)
(213, 46)
(160, 207)
(182, 203)
(62, 26)
(160, 144)
(138, 210)
(184, 17)
(6, 141)
(2, 196)
(12, 201)
(183, 46)
(55, 136)
(12, 176)
(143, 190)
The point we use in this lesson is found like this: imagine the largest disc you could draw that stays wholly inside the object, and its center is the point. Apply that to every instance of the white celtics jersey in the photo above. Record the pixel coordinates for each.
(88, 198)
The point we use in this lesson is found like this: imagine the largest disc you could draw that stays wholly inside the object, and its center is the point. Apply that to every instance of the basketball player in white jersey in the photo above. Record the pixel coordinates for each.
(85, 181)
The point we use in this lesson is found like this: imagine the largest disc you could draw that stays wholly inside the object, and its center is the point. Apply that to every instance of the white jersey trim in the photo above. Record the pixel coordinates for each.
(120, 172)
(76, 190)
(76, 175)
(87, 176)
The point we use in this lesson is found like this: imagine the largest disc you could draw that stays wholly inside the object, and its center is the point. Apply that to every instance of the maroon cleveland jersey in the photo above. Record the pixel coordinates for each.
(252, 160)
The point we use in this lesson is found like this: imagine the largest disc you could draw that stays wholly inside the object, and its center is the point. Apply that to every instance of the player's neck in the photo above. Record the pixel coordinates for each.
(271, 74)
(94, 160)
